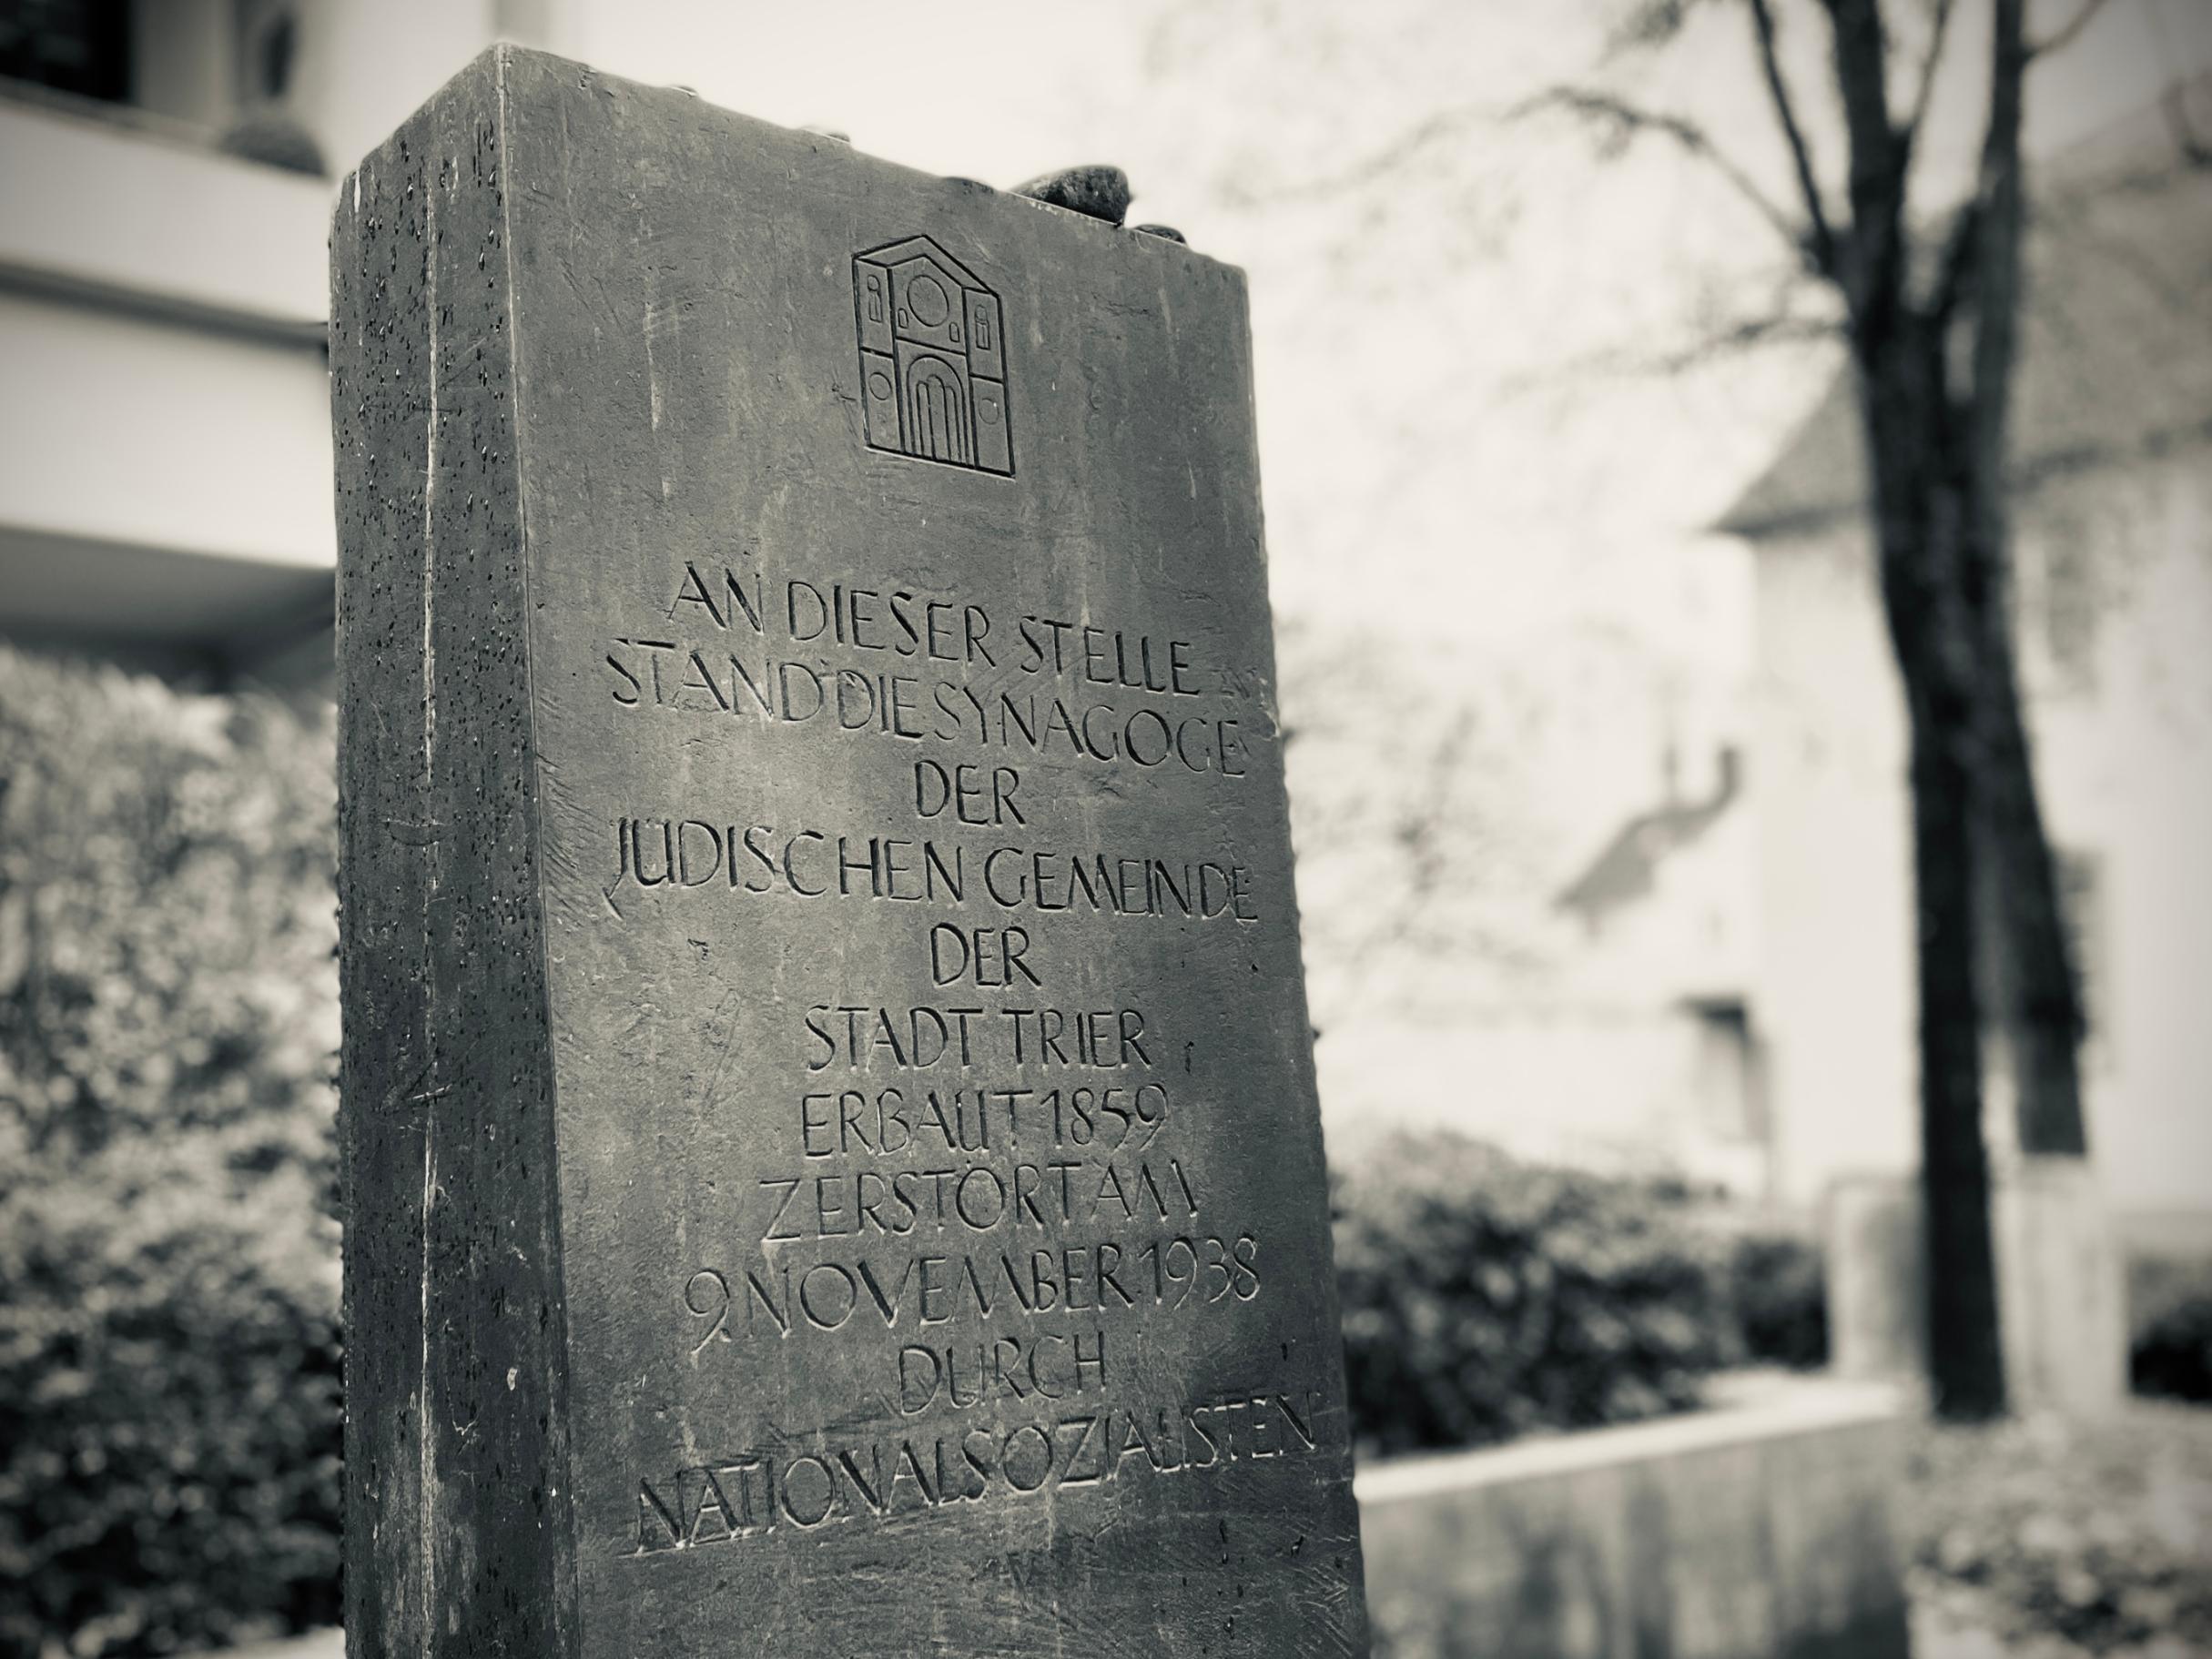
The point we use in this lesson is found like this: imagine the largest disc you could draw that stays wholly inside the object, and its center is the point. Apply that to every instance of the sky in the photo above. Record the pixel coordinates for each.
(1481, 459)
(1465, 295)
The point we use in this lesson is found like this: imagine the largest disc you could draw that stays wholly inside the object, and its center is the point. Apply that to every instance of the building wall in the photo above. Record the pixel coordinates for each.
(1637, 1089)
(1833, 981)
(1693, 934)
(2115, 600)
(365, 66)
(2117, 593)
(1626, 1053)
(167, 410)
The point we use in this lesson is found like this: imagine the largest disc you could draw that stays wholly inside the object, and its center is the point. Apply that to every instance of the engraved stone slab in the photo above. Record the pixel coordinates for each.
(830, 1128)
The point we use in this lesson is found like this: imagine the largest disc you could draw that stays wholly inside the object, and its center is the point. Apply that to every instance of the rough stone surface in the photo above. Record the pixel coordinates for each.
(829, 1129)
(1096, 192)
(1165, 232)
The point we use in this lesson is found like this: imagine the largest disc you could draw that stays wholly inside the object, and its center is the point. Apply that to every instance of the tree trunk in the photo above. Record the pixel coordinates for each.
(2033, 979)
(1924, 536)
(1966, 1355)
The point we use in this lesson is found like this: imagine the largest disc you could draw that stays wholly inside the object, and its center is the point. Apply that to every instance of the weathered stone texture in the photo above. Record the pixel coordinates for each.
(829, 1121)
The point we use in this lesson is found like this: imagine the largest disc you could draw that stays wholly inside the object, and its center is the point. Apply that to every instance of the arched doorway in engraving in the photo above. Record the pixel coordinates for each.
(937, 412)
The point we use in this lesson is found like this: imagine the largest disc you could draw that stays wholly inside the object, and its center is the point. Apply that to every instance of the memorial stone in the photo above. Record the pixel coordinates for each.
(829, 1134)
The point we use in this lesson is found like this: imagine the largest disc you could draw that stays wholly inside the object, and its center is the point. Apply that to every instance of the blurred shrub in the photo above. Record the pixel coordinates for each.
(2092, 1532)
(274, 139)
(2169, 1323)
(1778, 1287)
(2172, 1352)
(1484, 1297)
(168, 1261)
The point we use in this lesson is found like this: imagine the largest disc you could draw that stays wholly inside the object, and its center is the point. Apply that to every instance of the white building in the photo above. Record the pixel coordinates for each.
(164, 495)
(2113, 522)
(1627, 1042)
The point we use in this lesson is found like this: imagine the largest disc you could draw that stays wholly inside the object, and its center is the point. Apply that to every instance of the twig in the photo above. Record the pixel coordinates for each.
(1955, 271)
(1908, 136)
(1592, 104)
(1752, 334)
(2193, 147)
(1926, 94)
(1416, 138)
(1870, 270)
(1654, 23)
(2073, 26)
(1801, 154)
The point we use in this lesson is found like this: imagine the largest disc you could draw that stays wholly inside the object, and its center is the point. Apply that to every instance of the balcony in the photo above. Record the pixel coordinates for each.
(165, 420)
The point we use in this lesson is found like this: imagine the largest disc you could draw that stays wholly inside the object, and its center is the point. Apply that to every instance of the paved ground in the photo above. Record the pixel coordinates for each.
(1932, 1639)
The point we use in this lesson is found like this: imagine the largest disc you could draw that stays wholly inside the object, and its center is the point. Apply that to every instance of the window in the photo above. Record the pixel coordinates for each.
(1727, 1078)
(80, 47)
(268, 40)
(2080, 904)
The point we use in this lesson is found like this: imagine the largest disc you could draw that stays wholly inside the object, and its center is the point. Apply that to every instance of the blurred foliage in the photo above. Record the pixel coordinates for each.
(2094, 1532)
(2172, 1352)
(169, 1257)
(2169, 1323)
(274, 139)
(1484, 1297)
(1778, 1287)
(168, 1250)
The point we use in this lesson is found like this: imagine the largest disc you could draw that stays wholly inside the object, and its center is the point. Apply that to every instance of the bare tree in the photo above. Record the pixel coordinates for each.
(1928, 310)
(1930, 316)
(1405, 812)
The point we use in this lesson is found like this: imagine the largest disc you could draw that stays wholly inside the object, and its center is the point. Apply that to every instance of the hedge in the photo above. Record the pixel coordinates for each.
(169, 1257)
(170, 1413)
(1777, 1289)
(1484, 1297)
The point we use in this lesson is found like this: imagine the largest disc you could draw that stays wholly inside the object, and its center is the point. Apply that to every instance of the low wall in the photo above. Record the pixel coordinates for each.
(1758, 1531)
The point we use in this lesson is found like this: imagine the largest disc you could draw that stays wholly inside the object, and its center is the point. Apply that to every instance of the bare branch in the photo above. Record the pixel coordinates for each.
(1908, 136)
(1780, 318)
(2192, 146)
(1429, 130)
(1999, 209)
(1954, 270)
(1870, 268)
(1937, 28)
(2067, 31)
(1650, 23)
(1738, 339)
(1627, 120)
(1757, 333)
(1823, 243)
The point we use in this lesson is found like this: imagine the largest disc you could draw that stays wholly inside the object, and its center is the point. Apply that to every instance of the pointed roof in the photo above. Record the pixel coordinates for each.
(2116, 359)
(913, 248)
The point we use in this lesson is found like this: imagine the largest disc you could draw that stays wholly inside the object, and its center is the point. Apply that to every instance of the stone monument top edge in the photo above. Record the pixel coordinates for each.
(494, 71)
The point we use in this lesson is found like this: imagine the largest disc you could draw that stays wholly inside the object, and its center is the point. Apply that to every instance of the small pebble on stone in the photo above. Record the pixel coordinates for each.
(1097, 192)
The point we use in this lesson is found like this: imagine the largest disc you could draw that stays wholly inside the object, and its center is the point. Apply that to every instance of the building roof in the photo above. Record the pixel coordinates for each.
(1627, 867)
(2115, 351)
(923, 247)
